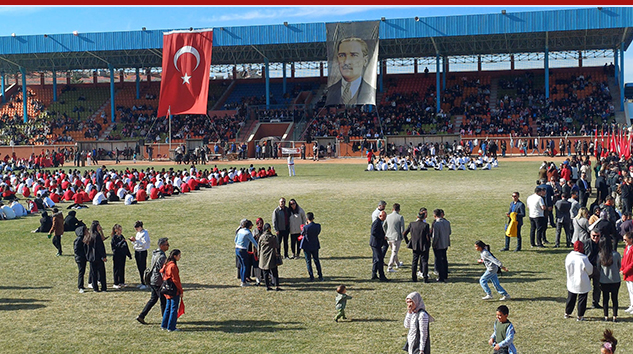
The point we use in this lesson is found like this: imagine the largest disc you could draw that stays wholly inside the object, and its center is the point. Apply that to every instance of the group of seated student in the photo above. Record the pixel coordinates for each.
(51, 187)
(452, 162)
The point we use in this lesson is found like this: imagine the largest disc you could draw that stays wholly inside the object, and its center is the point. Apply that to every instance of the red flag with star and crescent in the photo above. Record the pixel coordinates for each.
(184, 87)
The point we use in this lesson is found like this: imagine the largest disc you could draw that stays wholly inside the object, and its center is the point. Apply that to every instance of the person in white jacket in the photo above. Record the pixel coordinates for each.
(578, 282)
(141, 245)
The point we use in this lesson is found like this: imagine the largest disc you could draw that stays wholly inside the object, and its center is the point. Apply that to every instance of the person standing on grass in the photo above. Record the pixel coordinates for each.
(341, 302)
(492, 267)
(96, 255)
(517, 207)
(502, 338)
(579, 269)
(281, 224)
(538, 222)
(441, 241)
(268, 250)
(592, 249)
(420, 244)
(417, 321)
(80, 255)
(141, 245)
(170, 272)
(610, 262)
(120, 250)
(296, 219)
(394, 227)
(310, 245)
(291, 165)
(378, 242)
(627, 268)
(156, 280)
(243, 239)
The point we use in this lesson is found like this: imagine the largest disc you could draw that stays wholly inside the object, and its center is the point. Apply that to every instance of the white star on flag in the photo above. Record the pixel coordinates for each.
(185, 79)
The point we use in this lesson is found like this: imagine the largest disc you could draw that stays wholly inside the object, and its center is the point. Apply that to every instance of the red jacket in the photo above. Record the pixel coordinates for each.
(170, 271)
(627, 263)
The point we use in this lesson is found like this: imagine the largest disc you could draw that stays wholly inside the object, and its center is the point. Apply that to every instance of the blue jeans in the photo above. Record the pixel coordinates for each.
(242, 256)
(491, 276)
(171, 313)
(309, 255)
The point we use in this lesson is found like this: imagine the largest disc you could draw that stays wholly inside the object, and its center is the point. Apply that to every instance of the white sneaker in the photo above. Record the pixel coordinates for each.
(420, 275)
(245, 284)
(505, 297)
(391, 270)
(90, 285)
(81, 291)
(116, 286)
(629, 309)
(487, 297)
(400, 264)
(143, 287)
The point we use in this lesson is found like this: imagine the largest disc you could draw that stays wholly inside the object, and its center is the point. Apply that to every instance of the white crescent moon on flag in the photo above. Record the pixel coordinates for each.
(187, 49)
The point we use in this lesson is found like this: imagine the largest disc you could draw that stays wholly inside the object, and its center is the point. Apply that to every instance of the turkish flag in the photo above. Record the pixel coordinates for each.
(184, 87)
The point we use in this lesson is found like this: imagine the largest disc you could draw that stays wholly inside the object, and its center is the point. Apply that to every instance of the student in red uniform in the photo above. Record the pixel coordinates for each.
(141, 195)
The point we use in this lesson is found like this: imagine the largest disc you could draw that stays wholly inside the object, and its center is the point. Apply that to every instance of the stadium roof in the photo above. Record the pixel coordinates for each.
(500, 33)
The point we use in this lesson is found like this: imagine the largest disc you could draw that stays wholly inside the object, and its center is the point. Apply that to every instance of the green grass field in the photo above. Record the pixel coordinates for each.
(43, 312)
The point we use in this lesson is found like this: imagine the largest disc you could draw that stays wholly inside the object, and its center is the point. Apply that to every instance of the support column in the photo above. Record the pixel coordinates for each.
(621, 77)
(267, 71)
(94, 78)
(67, 77)
(479, 63)
(42, 79)
(616, 60)
(138, 83)
(111, 92)
(234, 72)
(2, 83)
(546, 65)
(382, 75)
(292, 70)
(415, 66)
(54, 85)
(444, 70)
(437, 83)
(580, 58)
(321, 69)
(511, 62)
(283, 69)
(25, 106)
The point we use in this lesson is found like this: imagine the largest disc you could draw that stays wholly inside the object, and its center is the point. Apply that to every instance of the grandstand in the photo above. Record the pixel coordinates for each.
(493, 75)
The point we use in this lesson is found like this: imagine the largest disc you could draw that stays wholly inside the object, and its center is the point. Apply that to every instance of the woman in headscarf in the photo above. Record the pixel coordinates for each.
(417, 321)
(268, 251)
(243, 238)
(579, 269)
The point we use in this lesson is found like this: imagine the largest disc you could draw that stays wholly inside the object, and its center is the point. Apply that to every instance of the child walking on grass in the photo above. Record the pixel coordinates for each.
(341, 302)
(502, 337)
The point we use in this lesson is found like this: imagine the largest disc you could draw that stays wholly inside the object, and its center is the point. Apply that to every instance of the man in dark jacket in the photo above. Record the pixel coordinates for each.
(310, 245)
(80, 256)
(46, 222)
(281, 224)
(591, 251)
(420, 244)
(516, 206)
(563, 220)
(602, 189)
(57, 227)
(156, 280)
(377, 240)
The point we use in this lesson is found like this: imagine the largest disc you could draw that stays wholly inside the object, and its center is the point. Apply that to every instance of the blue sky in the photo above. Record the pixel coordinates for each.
(64, 19)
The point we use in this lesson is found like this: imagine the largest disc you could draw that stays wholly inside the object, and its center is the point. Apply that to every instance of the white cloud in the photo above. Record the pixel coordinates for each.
(19, 10)
(287, 13)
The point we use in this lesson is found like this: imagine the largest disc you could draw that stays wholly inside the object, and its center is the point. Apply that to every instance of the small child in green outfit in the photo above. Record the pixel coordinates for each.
(341, 302)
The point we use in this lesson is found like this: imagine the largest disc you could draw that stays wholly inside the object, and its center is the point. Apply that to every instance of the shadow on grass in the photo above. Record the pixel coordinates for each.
(10, 287)
(369, 320)
(560, 299)
(197, 286)
(20, 304)
(339, 258)
(238, 326)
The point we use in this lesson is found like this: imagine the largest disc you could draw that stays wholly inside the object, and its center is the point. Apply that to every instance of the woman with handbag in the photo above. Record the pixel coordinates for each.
(243, 239)
(269, 258)
(96, 255)
(172, 289)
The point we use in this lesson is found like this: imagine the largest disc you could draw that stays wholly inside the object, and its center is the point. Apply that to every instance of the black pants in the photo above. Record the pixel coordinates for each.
(571, 302)
(118, 269)
(294, 244)
(537, 228)
(82, 273)
(550, 217)
(610, 289)
(57, 242)
(153, 300)
(283, 236)
(441, 263)
(560, 225)
(98, 272)
(271, 277)
(422, 258)
(141, 263)
(518, 239)
(595, 280)
(378, 260)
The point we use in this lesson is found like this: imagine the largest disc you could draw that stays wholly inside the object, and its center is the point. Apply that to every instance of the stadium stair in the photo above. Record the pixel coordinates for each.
(246, 131)
(220, 103)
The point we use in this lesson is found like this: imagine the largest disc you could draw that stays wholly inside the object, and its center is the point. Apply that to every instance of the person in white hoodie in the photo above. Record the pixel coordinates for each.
(141, 245)
(579, 269)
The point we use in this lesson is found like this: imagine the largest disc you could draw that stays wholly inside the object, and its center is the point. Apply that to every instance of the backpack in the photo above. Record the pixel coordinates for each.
(147, 275)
